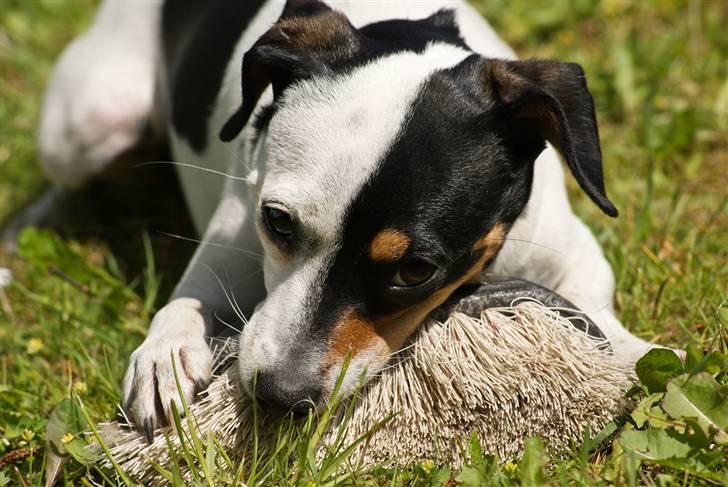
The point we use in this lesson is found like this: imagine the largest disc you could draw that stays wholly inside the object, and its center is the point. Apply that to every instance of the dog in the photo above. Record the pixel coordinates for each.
(349, 165)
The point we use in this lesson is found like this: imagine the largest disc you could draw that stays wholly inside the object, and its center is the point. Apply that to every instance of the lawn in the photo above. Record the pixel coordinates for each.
(658, 71)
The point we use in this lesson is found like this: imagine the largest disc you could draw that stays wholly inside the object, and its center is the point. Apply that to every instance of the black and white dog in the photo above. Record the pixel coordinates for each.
(380, 155)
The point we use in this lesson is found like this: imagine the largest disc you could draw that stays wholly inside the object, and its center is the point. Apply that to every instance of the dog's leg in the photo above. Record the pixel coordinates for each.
(585, 278)
(99, 99)
(221, 286)
(98, 108)
(550, 246)
(588, 282)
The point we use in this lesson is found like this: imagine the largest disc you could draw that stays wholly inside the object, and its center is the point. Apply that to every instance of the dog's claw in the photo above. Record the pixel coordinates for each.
(149, 430)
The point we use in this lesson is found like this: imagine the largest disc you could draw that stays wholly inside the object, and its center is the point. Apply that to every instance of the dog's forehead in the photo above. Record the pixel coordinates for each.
(330, 135)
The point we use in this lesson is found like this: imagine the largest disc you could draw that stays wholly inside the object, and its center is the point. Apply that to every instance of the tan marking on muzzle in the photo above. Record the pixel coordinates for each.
(353, 334)
(387, 335)
(389, 245)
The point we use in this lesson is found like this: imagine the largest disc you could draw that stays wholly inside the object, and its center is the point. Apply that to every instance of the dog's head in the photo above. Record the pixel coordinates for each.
(391, 166)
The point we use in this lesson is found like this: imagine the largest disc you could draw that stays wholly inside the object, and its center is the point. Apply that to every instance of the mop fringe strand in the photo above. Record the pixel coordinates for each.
(513, 373)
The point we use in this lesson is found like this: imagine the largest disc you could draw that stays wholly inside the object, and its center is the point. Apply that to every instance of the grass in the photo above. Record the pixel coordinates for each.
(659, 75)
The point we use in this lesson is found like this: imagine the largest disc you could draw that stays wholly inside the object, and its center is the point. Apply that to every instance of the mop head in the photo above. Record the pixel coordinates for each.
(513, 373)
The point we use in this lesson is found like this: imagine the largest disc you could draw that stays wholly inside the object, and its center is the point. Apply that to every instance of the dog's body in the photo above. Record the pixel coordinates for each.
(347, 162)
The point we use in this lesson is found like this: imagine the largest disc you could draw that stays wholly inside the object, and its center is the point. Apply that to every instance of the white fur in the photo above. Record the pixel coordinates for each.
(319, 126)
(99, 98)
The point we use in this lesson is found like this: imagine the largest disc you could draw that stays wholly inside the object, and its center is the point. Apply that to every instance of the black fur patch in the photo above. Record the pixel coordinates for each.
(462, 163)
(398, 35)
(271, 61)
(198, 38)
(445, 182)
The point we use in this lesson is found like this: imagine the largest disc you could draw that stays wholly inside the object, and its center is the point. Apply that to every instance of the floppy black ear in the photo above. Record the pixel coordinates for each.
(307, 38)
(552, 98)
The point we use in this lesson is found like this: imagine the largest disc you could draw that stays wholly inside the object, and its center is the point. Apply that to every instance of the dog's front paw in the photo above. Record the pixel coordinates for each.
(150, 385)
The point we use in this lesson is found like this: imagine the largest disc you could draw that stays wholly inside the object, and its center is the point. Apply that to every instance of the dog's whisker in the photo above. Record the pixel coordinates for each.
(248, 253)
(193, 166)
(235, 300)
(227, 296)
(520, 240)
(238, 158)
(236, 330)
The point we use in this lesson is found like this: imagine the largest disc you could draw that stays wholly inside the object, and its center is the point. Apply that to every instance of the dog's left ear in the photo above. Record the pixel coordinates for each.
(308, 39)
(551, 98)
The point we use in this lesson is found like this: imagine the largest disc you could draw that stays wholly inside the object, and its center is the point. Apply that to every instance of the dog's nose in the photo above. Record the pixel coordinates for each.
(281, 394)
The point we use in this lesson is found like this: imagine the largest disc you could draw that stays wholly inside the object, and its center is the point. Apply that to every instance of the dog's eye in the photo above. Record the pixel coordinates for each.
(413, 272)
(278, 222)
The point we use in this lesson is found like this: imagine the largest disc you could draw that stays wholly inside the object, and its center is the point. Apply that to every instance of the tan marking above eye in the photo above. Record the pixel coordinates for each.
(491, 242)
(389, 245)
(396, 328)
(355, 334)
(386, 335)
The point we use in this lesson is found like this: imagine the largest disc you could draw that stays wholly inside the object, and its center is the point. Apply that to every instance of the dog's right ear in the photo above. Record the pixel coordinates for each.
(536, 101)
(308, 39)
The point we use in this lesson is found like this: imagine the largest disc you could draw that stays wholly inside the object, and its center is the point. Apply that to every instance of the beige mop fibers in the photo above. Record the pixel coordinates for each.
(515, 372)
